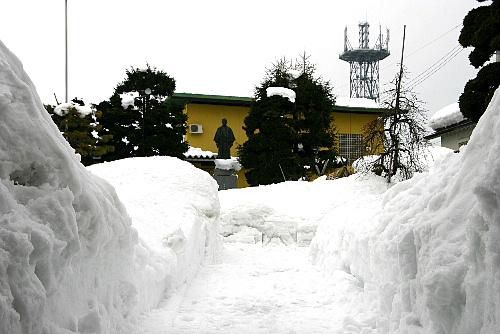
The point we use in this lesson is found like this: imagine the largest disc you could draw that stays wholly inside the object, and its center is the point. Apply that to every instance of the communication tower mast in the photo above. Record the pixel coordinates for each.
(364, 62)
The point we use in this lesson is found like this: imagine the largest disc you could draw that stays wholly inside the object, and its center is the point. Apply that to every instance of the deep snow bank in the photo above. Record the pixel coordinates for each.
(429, 254)
(287, 211)
(65, 238)
(69, 259)
(290, 211)
(174, 207)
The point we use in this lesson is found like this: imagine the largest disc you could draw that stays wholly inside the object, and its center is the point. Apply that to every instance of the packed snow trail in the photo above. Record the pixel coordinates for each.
(271, 289)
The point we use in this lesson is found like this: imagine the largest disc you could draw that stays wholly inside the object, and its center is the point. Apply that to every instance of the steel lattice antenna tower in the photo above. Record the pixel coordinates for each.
(364, 62)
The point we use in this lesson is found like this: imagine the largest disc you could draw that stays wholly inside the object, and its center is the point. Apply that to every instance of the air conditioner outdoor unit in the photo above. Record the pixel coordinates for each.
(195, 128)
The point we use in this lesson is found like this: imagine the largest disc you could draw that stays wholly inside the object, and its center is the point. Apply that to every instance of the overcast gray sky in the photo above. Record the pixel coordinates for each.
(223, 46)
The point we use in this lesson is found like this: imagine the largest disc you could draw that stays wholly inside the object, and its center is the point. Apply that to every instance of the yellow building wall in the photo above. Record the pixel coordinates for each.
(210, 116)
(351, 123)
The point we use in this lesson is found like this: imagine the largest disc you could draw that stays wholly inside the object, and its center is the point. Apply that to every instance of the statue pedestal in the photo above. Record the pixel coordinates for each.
(225, 173)
(226, 179)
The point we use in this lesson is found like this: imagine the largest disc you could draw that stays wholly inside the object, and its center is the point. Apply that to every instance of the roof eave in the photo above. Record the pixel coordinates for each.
(440, 131)
(214, 99)
(358, 110)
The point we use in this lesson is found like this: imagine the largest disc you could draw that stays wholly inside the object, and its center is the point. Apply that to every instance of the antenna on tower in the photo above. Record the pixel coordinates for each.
(364, 62)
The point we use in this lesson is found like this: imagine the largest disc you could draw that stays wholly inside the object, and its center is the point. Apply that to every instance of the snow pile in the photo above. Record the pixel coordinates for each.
(66, 246)
(427, 252)
(228, 164)
(290, 211)
(446, 116)
(287, 212)
(356, 102)
(281, 91)
(70, 262)
(174, 206)
(128, 99)
(63, 108)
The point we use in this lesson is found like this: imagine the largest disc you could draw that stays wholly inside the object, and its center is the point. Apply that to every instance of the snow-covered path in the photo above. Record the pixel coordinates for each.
(271, 289)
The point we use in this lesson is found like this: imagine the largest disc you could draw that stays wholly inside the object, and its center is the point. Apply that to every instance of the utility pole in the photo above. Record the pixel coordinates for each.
(392, 165)
(66, 46)
(398, 89)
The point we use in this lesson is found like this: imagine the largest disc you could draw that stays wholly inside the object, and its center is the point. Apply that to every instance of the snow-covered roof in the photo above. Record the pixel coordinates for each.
(63, 108)
(196, 152)
(355, 102)
(281, 91)
(446, 116)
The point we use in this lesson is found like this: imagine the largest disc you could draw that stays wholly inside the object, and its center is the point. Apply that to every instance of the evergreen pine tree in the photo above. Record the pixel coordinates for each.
(283, 136)
(82, 131)
(153, 124)
(481, 31)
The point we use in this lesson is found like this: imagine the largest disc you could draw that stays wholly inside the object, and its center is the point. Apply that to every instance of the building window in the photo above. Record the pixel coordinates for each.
(351, 146)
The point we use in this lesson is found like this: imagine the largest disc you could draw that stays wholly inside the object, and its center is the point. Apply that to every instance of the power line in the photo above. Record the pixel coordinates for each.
(436, 69)
(434, 40)
(425, 45)
(429, 74)
(435, 64)
(431, 70)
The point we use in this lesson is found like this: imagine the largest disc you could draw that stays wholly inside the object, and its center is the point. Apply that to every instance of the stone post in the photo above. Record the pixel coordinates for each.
(226, 173)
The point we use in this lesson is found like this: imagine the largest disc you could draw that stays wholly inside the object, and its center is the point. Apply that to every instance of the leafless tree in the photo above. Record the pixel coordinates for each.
(395, 140)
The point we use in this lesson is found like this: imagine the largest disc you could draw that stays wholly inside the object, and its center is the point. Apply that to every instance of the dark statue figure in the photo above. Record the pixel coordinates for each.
(224, 138)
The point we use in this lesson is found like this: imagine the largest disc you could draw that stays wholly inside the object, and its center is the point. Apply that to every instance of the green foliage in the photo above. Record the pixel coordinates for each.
(160, 83)
(79, 131)
(284, 137)
(479, 91)
(268, 150)
(481, 31)
(154, 125)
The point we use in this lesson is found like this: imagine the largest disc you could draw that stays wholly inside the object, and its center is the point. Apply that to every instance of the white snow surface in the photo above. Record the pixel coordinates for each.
(63, 108)
(288, 212)
(66, 246)
(427, 250)
(446, 116)
(228, 164)
(70, 261)
(416, 257)
(173, 205)
(260, 290)
(281, 91)
(356, 102)
(265, 282)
